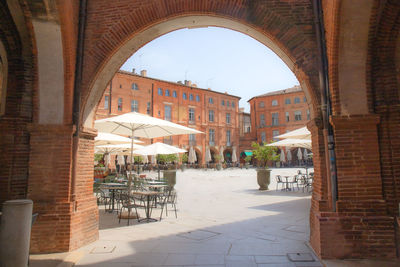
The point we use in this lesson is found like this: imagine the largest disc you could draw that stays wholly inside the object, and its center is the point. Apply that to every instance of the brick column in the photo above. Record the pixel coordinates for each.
(360, 228)
(63, 221)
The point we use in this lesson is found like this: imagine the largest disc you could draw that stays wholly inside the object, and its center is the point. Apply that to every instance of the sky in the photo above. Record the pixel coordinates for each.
(216, 58)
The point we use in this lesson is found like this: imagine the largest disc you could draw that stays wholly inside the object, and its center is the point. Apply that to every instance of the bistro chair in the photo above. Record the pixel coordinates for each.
(129, 203)
(169, 197)
(278, 179)
(294, 182)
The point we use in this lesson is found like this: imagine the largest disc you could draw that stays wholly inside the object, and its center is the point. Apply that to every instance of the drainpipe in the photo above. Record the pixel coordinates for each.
(77, 95)
(325, 99)
(110, 98)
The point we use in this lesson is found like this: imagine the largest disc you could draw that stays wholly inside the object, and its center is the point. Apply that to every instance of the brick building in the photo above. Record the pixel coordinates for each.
(214, 113)
(278, 112)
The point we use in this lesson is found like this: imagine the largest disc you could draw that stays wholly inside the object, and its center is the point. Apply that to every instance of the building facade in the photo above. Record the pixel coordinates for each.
(213, 113)
(278, 112)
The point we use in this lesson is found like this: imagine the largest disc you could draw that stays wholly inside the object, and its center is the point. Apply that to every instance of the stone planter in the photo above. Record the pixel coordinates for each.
(183, 167)
(170, 177)
(247, 165)
(263, 178)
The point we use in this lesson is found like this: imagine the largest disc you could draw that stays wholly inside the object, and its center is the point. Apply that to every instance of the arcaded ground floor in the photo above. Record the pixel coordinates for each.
(223, 220)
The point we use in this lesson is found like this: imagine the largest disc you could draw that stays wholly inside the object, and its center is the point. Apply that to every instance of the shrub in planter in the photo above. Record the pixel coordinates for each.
(217, 158)
(263, 154)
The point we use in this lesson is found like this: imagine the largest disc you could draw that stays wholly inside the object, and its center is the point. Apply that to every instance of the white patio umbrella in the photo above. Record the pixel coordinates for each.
(289, 142)
(299, 154)
(145, 159)
(305, 154)
(192, 156)
(208, 155)
(118, 148)
(221, 153)
(112, 139)
(158, 149)
(289, 155)
(134, 124)
(282, 158)
(301, 133)
(153, 160)
(234, 158)
(107, 160)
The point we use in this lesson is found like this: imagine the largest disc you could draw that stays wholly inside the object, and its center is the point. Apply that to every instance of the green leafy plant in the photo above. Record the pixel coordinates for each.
(138, 159)
(167, 158)
(217, 158)
(184, 158)
(264, 154)
(247, 159)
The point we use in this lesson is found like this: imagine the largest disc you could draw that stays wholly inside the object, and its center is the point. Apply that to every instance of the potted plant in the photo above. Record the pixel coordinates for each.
(247, 159)
(217, 158)
(184, 160)
(170, 173)
(263, 154)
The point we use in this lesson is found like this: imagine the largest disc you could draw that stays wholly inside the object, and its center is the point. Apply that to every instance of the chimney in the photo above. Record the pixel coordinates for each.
(180, 82)
(194, 85)
(188, 83)
(143, 73)
(133, 71)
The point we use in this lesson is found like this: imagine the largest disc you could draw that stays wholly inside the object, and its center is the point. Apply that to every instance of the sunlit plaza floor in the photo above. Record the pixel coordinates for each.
(223, 220)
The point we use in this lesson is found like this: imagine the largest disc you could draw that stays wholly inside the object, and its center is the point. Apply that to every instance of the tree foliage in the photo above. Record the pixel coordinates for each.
(264, 153)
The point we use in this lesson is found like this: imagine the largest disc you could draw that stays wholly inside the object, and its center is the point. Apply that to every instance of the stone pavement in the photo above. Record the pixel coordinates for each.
(223, 220)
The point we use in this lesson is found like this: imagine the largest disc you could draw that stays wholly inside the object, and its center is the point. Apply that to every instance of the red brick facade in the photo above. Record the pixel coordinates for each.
(156, 97)
(366, 131)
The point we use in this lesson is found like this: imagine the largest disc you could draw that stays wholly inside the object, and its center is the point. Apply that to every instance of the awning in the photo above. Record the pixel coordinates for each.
(248, 153)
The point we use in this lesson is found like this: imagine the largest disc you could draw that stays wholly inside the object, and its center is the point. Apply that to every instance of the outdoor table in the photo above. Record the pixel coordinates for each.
(287, 183)
(150, 196)
(112, 187)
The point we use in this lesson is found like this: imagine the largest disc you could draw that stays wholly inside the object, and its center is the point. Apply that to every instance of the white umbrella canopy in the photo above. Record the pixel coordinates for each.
(158, 148)
(111, 139)
(234, 157)
(153, 159)
(141, 125)
(107, 160)
(121, 159)
(289, 142)
(299, 154)
(145, 159)
(208, 155)
(301, 133)
(116, 148)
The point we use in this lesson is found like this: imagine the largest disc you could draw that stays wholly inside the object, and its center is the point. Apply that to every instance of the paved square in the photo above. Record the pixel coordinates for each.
(223, 220)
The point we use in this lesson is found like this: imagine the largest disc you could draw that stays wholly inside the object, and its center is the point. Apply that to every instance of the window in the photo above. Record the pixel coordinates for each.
(135, 86)
(275, 133)
(191, 115)
(211, 136)
(228, 118)
(263, 138)
(174, 94)
(160, 92)
(197, 98)
(184, 96)
(167, 93)
(191, 97)
(210, 100)
(261, 104)
(297, 100)
(304, 99)
(275, 119)
(228, 137)
(211, 115)
(287, 101)
(119, 104)
(227, 103)
(274, 103)
(106, 104)
(262, 120)
(297, 115)
(222, 102)
(308, 114)
(233, 104)
(287, 117)
(148, 108)
(167, 112)
(134, 106)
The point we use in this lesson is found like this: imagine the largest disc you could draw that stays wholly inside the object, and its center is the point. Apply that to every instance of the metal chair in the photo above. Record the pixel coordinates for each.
(169, 197)
(278, 179)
